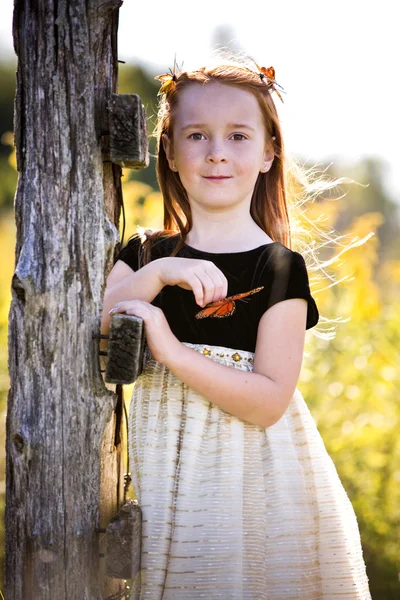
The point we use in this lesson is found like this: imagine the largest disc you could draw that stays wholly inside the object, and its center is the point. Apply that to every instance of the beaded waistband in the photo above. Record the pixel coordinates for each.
(223, 354)
(241, 359)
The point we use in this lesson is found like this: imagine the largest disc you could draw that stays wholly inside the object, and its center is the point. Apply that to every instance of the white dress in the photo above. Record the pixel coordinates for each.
(232, 510)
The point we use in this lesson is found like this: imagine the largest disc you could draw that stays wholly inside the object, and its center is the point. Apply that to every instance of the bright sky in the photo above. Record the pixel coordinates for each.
(337, 61)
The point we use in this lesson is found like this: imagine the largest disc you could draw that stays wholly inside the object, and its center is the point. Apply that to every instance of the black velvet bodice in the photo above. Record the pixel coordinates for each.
(281, 272)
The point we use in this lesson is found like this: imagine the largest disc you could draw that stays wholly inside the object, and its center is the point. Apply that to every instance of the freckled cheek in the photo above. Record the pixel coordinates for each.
(187, 160)
(247, 170)
(246, 163)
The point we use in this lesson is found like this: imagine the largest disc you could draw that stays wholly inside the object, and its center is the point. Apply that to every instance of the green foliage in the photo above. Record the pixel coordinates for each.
(350, 385)
(8, 179)
(7, 92)
(133, 79)
(8, 183)
(370, 196)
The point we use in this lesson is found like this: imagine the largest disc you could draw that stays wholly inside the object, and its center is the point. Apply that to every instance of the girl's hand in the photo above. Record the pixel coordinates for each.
(208, 283)
(160, 339)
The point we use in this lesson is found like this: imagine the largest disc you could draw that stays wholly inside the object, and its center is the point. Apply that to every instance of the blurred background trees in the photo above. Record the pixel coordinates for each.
(349, 383)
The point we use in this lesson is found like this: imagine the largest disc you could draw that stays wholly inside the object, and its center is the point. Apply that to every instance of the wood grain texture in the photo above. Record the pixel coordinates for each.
(128, 131)
(125, 349)
(123, 542)
(64, 470)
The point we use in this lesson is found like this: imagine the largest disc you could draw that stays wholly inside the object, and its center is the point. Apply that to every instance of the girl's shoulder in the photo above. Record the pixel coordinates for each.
(279, 263)
(281, 258)
(160, 245)
(285, 273)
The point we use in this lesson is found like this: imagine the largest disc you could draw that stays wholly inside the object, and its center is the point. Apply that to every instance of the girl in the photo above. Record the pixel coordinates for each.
(240, 499)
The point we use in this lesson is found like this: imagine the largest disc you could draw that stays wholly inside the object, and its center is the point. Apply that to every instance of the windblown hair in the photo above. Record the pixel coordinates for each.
(270, 205)
(278, 195)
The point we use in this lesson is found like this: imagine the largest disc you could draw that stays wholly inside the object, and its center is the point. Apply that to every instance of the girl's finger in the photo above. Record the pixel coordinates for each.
(208, 287)
(117, 309)
(122, 307)
(197, 288)
(220, 283)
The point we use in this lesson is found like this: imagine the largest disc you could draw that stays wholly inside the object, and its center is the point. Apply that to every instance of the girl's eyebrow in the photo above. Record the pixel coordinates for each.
(230, 125)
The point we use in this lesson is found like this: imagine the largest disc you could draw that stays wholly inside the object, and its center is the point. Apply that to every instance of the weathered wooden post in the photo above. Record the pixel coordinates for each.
(64, 472)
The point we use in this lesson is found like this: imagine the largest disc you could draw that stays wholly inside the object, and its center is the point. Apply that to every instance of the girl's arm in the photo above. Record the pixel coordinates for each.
(260, 397)
(125, 284)
(206, 281)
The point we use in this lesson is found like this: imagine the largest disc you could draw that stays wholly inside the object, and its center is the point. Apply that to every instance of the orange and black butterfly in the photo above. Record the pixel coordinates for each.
(168, 80)
(269, 75)
(224, 308)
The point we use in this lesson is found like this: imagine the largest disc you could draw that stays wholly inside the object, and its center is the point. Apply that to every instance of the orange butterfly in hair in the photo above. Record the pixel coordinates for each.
(224, 308)
(269, 74)
(168, 80)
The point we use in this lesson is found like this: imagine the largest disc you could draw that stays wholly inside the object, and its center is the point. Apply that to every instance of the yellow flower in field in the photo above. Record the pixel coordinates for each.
(8, 140)
(361, 298)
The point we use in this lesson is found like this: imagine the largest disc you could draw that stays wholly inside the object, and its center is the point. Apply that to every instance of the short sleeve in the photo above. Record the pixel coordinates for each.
(130, 252)
(290, 280)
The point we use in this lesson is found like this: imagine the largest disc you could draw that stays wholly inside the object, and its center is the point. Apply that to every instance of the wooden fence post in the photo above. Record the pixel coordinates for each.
(64, 425)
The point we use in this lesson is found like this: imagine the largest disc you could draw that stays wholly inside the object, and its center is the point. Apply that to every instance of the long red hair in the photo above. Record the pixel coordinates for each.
(268, 205)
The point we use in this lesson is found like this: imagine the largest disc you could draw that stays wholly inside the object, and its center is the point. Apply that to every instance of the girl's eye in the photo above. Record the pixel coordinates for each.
(238, 137)
(195, 136)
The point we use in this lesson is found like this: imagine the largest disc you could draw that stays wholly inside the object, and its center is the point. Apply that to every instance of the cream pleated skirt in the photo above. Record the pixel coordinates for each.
(235, 511)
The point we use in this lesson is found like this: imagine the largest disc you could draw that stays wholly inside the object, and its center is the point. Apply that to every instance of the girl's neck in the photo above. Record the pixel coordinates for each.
(233, 235)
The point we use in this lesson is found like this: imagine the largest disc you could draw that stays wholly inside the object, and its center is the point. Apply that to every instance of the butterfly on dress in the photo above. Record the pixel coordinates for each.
(224, 308)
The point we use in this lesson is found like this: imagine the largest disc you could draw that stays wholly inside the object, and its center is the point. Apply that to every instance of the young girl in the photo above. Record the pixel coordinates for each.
(240, 499)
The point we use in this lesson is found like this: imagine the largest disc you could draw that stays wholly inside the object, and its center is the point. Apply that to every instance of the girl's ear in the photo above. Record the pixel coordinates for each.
(268, 160)
(169, 152)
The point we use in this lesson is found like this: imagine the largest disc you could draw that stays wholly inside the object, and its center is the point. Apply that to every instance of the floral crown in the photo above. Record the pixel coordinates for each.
(267, 75)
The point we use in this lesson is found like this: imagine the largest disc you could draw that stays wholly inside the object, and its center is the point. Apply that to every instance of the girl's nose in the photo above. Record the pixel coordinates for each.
(216, 153)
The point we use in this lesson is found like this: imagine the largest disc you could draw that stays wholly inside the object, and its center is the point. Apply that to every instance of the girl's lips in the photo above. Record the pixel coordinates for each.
(218, 177)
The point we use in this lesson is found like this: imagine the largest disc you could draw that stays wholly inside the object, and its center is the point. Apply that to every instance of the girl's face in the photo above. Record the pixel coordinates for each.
(219, 145)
